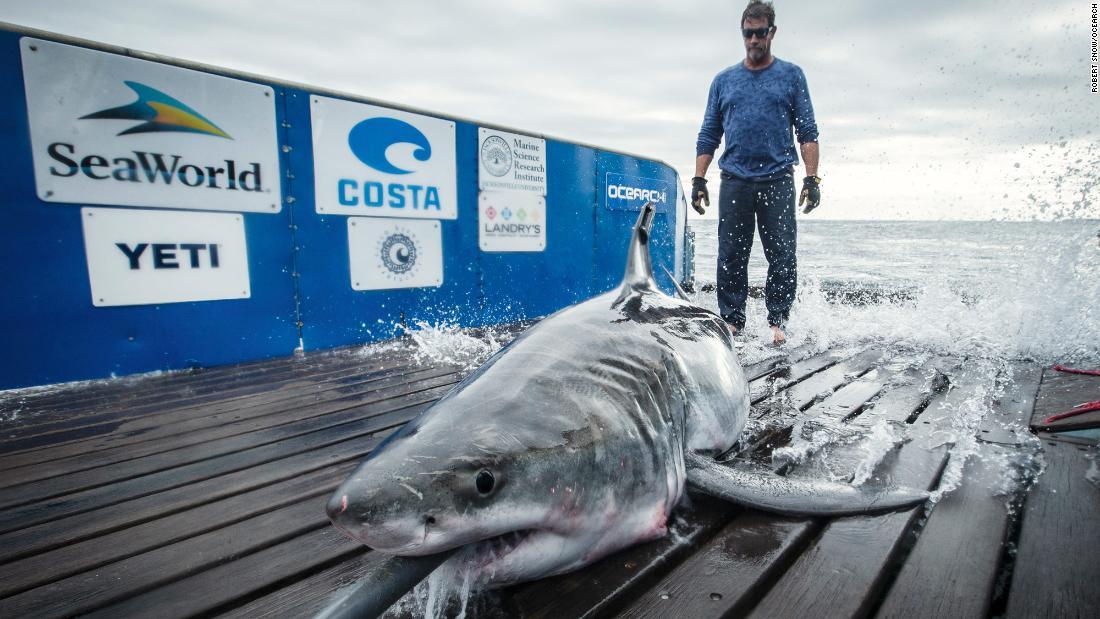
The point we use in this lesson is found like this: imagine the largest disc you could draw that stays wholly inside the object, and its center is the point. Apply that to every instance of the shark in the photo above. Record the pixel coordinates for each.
(578, 439)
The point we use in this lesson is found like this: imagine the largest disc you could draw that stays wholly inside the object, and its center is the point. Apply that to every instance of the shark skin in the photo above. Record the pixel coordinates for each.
(576, 440)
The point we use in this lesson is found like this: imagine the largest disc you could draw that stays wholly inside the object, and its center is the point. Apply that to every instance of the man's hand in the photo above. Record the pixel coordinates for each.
(811, 193)
(699, 194)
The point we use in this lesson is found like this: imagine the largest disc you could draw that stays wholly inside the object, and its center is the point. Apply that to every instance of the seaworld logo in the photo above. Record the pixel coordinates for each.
(160, 112)
(370, 139)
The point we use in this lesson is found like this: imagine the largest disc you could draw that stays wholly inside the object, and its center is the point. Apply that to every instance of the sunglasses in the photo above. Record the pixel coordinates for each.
(759, 32)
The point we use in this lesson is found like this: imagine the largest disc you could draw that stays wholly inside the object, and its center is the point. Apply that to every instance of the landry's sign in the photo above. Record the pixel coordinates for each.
(109, 129)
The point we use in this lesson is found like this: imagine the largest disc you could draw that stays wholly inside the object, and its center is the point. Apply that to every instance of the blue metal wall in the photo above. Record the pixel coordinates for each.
(298, 262)
(54, 332)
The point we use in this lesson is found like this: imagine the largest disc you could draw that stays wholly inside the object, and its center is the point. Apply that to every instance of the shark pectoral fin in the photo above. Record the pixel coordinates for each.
(770, 492)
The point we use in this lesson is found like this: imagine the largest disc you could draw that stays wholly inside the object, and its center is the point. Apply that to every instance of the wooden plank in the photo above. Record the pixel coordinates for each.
(221, 587)
(802, 394)
(114, 419)
(1056, 571)
(844, 571)
(1008, 423)
(905, 396)
(780, 361)
(44, 568)
(1060, 392)
(608, 584)
(60, 398)
(840, 574)
(181, 390)
(153, 427)
(110, 417)
(850, 399)
(730, 571)
(845, 401)
(124, 579)
(953, 569)
(784, 376)
(60, 530)
(318, 443)
(102, 489)
(66, 399)
(91, 470)
(307, 597)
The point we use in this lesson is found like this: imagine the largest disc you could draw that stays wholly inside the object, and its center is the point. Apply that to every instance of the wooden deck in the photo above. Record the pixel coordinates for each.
(201, 494)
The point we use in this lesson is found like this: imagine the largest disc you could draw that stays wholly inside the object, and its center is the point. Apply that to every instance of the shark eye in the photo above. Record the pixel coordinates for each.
(485, 481)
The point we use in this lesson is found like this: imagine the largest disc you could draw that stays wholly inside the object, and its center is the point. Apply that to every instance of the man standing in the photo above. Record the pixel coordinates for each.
(754, 104)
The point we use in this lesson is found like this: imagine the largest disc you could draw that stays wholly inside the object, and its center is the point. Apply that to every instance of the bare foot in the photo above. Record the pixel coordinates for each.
(778, 337)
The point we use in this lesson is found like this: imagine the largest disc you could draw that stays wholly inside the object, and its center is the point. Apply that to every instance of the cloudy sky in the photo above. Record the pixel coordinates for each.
(927, 110)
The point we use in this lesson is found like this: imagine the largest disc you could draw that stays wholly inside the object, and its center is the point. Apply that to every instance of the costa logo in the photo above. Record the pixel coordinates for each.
(371, 139)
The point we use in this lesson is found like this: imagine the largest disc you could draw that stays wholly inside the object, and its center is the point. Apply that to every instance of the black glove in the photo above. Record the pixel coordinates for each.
(699, 194)
(811, 193)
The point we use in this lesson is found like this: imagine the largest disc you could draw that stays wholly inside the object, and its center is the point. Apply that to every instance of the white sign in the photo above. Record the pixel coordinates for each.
(511, 161)
(511, 221)
(138, 257)
(394, 253)
(110, 129)
(380, 162)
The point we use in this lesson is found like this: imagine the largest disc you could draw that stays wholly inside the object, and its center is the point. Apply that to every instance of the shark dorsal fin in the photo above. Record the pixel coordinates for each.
(639, 270)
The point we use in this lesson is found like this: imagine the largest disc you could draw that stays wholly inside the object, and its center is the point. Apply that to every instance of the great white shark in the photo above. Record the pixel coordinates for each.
(576, 440)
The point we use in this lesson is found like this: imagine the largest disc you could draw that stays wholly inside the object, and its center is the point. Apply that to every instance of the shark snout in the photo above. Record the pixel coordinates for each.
(378, 520)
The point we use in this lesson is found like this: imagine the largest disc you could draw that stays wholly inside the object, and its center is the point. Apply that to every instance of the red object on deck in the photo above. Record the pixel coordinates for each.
(1062, 368)
(1087, 407)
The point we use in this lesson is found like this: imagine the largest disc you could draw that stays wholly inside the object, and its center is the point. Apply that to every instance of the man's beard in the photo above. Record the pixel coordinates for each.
(756, 54)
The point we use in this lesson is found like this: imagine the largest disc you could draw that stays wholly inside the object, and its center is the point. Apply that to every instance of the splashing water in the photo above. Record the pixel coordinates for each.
(881, 440)
(984, 295)
(445, 344)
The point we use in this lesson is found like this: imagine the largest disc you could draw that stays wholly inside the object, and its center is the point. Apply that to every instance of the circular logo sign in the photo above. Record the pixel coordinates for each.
(496, 155)
(398, 253)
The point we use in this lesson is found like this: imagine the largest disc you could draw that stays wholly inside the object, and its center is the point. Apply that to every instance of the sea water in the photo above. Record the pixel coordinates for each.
(996, 290)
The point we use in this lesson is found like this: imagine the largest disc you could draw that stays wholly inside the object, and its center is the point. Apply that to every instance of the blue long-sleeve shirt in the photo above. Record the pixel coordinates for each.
(755, 111)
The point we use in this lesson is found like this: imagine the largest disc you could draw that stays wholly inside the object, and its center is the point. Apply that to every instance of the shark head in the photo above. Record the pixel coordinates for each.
(526, 492)
(417, 495)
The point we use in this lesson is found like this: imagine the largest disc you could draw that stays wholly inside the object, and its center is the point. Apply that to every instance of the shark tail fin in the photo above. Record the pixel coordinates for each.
(770, 492)
(639, 269)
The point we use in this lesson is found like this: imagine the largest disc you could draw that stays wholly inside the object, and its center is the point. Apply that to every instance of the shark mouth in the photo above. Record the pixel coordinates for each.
(490, 551)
